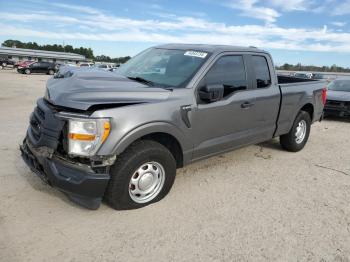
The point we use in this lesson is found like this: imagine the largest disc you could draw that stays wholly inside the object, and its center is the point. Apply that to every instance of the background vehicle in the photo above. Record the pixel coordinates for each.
(86, 64)
(24, 63)
(38, 67)
(318, 76)
(122, 135)
(338, 100)
(105, 67)
(5, 62)
(303, 75)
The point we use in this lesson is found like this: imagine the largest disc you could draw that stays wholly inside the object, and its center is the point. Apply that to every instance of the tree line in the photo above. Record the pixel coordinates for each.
(117, 60)
(87, 52)
(300, 67)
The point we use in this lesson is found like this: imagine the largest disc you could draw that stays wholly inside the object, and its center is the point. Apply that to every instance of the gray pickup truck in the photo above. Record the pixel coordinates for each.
(121, 136)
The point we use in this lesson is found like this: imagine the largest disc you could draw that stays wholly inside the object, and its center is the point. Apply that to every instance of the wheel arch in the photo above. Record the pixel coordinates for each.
(309, 108)
(164, 133)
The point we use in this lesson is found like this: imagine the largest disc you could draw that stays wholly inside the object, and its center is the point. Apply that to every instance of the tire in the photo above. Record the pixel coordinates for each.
(142, 155)
(4, 64)
(293, 141)
(27, 72)
(51, 72)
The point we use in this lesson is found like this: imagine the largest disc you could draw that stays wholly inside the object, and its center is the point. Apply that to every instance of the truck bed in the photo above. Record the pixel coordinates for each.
(293, 97)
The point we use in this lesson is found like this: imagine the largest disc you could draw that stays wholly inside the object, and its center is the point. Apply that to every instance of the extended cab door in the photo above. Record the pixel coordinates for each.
(267, 95)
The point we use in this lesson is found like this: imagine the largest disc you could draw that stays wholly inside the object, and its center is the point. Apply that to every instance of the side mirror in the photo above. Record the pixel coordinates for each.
(211, 93)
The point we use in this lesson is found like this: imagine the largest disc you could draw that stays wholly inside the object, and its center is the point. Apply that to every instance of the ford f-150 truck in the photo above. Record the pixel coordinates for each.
(121, 136)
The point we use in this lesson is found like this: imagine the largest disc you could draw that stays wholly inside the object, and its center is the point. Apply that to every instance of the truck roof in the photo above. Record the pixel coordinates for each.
(211, 48)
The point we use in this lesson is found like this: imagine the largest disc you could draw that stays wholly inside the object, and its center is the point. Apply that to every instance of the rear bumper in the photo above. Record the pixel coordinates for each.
(340, 112)
(80, 183)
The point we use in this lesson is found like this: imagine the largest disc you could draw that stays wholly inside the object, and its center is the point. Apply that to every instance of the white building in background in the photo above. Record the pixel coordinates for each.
(18, 54)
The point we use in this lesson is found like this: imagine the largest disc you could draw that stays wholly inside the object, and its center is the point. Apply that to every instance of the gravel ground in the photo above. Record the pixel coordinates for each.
(258, 203)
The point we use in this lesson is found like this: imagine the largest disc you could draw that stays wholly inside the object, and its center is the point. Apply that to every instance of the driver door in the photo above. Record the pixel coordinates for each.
(226, 124)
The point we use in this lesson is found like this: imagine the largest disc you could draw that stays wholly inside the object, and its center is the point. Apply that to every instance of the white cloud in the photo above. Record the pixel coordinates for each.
(250, 9)
(171, 28)
(342, 9)
(339, 24)
(268, 10)
(78, 8)
(291, 5)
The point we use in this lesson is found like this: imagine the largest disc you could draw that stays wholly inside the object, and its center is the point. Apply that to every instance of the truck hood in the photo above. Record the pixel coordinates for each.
(82, 89)
(338, 95)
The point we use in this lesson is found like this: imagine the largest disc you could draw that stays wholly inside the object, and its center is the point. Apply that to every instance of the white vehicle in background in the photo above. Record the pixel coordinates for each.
(105, 67)
(86, 64)
(71, 65)
(303, 75)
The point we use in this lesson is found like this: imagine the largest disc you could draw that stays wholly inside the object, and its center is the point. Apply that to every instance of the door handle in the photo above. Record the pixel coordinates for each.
(247, 105)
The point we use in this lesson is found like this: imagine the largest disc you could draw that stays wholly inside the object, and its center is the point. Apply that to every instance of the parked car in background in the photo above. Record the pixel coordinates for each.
(303, 75)
(338, 99)
(39, 67)
(24, 63)
(5, 62)
(86, 64)
(318, 76)
(105, 67)
(121, 136)
(67, 64)
(115, 67)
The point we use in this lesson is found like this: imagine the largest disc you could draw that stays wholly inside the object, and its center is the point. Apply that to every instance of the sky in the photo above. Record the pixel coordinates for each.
(311, 32)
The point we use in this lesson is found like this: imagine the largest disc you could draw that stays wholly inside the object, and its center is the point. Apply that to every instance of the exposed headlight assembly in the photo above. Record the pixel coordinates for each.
(85, 136)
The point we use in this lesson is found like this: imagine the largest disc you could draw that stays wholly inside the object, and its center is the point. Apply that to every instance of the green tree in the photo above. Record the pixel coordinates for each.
(87, 52)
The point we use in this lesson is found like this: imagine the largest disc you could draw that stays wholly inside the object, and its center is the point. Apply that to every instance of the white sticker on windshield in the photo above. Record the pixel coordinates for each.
(196, 54)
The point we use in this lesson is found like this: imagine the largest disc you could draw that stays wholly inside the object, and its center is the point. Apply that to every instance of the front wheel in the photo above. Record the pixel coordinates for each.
(51, 72)
(297, 137)
(142, 175)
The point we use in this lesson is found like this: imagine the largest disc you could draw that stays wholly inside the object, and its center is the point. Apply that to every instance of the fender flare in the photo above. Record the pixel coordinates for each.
(151, 128)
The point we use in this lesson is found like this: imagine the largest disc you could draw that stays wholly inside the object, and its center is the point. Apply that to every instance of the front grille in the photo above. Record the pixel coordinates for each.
(40, 112)
(45, 128)
(36, 120)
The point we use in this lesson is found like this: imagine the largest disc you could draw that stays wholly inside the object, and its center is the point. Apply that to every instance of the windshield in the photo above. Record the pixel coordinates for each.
(164, 67)
(340, 85)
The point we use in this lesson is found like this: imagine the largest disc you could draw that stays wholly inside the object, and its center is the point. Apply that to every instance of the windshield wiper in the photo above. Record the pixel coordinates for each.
(141, 80)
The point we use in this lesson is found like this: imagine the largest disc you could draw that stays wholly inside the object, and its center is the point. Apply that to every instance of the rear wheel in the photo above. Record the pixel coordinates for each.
(297, 137)
(27, 71)
(4, 64)
(142, 175)
(51, 72)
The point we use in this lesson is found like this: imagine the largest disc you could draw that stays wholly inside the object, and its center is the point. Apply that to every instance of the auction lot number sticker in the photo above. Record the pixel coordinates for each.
(196, 54)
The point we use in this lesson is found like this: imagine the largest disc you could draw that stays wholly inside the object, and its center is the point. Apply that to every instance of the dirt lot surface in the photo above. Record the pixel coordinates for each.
(258, 203)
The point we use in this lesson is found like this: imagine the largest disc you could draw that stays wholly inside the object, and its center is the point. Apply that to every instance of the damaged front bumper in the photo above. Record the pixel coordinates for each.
(80, 182)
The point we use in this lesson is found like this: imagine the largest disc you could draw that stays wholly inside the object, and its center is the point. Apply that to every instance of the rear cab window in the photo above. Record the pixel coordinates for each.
(262, 71)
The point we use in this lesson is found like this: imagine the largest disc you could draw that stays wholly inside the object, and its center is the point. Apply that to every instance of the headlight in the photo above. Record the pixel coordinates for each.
(85, 136)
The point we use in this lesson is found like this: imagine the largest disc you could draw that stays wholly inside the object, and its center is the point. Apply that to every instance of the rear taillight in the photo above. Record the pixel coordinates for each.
(324, 95)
